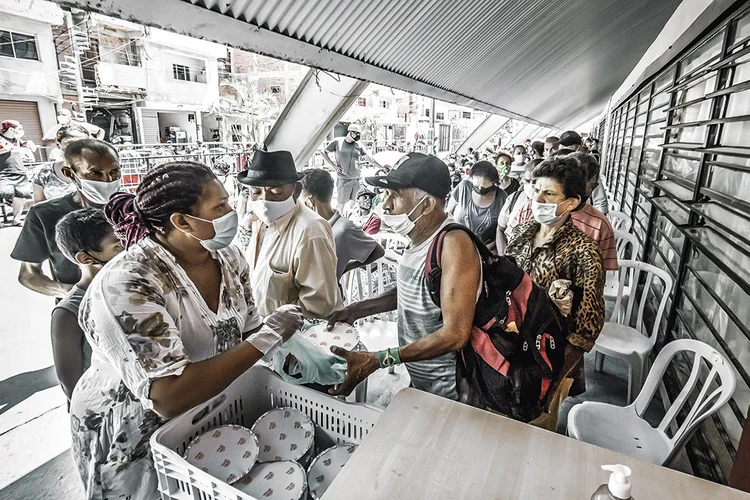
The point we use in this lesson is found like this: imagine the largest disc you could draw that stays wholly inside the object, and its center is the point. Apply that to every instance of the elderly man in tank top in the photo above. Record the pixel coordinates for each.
(428, 335)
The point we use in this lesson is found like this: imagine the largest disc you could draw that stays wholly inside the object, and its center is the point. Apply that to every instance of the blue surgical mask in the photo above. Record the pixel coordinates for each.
(225, 229)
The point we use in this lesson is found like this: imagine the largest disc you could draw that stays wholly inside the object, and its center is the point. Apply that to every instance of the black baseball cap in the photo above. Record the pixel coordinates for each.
(570, 138)
(416, 170)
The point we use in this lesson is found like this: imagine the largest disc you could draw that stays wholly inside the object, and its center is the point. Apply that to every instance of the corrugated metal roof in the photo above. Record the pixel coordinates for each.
(554, 62)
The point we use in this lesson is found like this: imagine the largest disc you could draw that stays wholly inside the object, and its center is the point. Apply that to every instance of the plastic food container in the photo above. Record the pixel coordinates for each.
(275, 481)
(284, 434)
(325, 467)
(342, 335)
(227, 453)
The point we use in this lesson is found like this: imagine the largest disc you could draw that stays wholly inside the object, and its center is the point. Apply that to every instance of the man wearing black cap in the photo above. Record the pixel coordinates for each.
(428, 335)
(570, 139)
(292, 254)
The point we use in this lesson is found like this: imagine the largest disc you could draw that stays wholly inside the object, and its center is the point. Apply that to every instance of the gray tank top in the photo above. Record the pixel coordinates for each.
(419, 316)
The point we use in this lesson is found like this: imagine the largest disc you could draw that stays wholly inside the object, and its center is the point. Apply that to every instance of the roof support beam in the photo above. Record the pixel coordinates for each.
(482, 133)
(523, 134)
(317, 104)
(182, 17)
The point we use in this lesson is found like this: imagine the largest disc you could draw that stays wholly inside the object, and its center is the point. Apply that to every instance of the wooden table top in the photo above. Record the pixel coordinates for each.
(428, 447)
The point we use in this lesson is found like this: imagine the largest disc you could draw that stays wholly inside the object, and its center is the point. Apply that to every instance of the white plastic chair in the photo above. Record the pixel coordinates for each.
(624, 430)
(627, 246)
(618, 338)
(620, 220)
(393, 244)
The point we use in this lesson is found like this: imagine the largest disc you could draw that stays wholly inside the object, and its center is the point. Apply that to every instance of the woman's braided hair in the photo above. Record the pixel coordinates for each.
(169, 188)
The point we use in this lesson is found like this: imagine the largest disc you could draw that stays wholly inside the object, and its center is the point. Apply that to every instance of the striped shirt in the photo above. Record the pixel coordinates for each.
(419, 316)
(588, 219)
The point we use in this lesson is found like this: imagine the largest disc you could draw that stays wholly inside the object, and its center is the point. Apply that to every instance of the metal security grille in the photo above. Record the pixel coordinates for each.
(678, 163)
(26, 112)
(150, 122)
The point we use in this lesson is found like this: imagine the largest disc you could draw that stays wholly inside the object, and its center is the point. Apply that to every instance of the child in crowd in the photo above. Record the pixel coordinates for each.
(86, 238)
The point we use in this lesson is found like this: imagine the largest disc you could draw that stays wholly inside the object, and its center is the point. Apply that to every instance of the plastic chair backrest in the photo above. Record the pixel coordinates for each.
(704, 405)
(624, 240)
(620, 220)
(391, 241)
(370, 281)
(632, 272)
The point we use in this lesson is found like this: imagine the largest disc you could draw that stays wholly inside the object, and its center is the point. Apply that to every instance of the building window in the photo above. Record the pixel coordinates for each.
(466, 114)
(276, 89)
(385, 104)
(18, 46)
(181, 72)
(439, 116)
(427, 112)
(361, 101)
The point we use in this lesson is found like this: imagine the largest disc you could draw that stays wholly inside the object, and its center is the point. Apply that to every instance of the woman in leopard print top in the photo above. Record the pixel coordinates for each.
(549, 247)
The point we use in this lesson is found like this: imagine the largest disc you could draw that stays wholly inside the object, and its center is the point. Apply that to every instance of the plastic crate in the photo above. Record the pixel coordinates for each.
(255, 392)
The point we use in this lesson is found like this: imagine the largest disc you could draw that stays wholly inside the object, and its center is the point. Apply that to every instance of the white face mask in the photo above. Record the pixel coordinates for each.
(63, 119)
(546, 213)
(400, 223)
(518, 159)
(98, 192)
(225, 229)
(269, 211)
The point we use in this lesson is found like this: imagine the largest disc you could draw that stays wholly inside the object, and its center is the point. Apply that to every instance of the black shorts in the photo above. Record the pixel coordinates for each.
(15, 188)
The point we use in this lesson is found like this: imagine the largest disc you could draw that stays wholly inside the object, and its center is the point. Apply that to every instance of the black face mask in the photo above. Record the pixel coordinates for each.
(356, 137)
(484, 190)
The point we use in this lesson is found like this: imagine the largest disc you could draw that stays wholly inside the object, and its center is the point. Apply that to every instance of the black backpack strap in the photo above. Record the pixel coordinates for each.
(433, 271)
(514, 199)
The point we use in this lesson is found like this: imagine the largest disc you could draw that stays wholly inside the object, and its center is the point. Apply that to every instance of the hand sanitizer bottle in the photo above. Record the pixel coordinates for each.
(618, 487)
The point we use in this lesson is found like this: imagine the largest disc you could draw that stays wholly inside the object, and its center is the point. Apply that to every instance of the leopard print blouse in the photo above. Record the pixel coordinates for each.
(571, 255)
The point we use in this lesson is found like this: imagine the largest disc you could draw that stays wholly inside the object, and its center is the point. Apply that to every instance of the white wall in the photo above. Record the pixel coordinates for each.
(162, 48)
(122, 76)
(26, 80)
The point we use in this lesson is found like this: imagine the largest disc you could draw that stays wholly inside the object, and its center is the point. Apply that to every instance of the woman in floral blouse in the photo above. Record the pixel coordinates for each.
(166, 320)
(550, 247)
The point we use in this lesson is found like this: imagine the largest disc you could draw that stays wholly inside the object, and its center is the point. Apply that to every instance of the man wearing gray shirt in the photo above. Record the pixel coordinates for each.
(354, 248)
(428, 335)
(347, 152)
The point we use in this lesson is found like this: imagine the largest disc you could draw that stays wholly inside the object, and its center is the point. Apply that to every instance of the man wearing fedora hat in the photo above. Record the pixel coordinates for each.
(292, 253)
(348, 151)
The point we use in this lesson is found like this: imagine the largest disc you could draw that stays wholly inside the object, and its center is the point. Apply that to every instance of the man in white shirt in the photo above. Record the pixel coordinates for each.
(292, 253)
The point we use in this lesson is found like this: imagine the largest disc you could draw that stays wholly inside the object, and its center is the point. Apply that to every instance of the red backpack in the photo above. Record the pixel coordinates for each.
(518, 339)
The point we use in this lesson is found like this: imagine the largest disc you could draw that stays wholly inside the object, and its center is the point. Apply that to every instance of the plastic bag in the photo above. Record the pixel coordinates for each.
(562, 296)
(315, 363)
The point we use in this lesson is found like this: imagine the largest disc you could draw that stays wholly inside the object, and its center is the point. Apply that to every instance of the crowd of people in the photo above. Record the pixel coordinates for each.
(166, 295)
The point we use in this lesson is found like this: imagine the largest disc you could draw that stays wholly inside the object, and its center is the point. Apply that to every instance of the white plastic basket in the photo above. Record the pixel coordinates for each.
(255, 392)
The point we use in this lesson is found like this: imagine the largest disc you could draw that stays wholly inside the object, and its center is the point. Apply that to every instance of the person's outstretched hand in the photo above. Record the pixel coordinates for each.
(359, 366)
(344, 315)
(285, 321)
